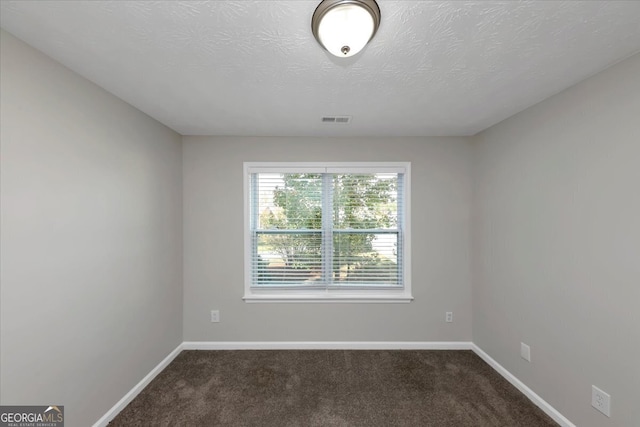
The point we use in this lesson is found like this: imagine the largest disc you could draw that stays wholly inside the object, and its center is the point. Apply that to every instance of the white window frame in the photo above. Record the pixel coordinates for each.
(328, 295)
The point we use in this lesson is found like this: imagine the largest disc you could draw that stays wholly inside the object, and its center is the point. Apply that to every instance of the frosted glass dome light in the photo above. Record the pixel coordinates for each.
(344, 27)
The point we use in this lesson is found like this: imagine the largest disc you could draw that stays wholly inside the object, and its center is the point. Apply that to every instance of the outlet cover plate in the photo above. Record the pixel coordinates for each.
(525, 352)
(601, 400)
(215, 316)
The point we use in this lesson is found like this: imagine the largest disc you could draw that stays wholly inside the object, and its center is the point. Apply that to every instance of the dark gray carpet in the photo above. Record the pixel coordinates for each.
(330, 388)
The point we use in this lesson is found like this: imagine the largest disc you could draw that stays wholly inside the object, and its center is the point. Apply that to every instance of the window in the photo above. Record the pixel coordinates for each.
(327, 232)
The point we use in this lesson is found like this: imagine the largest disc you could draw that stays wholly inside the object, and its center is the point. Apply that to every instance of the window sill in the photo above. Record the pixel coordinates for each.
(328, 298)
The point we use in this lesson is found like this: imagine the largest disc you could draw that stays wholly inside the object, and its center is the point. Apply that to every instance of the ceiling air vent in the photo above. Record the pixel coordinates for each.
(337, 119)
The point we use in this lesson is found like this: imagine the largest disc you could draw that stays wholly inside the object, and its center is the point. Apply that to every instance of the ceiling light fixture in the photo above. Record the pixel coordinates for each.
(344, 27)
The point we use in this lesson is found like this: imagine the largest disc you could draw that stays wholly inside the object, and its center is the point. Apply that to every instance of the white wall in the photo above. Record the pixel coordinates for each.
(556, 247)
(213, 243)
(91, 239)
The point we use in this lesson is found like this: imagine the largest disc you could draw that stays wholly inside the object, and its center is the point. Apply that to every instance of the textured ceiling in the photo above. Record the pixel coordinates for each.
(254, 68)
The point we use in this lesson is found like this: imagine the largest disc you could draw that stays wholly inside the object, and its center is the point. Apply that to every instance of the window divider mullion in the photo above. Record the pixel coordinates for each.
(327, 225)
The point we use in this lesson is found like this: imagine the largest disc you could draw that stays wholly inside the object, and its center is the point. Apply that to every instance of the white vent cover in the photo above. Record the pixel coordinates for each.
(337, 119)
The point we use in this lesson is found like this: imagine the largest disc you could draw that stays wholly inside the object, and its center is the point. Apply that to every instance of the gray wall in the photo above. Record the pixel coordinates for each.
(91, 239)
(213, 243)
(92, 249)
(556, 247)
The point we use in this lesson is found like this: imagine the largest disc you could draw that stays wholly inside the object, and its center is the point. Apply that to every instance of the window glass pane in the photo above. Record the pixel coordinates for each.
(288, 259)
(365, 201)
(360, 243)
(365, 258)
(289, 201)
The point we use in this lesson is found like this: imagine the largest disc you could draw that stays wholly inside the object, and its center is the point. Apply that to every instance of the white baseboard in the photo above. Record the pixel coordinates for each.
(115, 410)
(327, 345)
(537, 400)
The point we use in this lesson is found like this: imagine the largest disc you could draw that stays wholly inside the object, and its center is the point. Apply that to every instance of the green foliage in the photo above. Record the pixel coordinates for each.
(360, 202)
(363, 201)
(301, 202)
(300, 208)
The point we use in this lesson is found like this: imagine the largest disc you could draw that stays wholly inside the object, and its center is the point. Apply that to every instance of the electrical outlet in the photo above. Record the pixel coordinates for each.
(601, 401)
(449, 317)
(215, 316)
(525, 352)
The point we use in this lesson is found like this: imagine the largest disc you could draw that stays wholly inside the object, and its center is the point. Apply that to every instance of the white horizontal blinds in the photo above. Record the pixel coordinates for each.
(366, 230)
(341, 228)
(287, 229)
